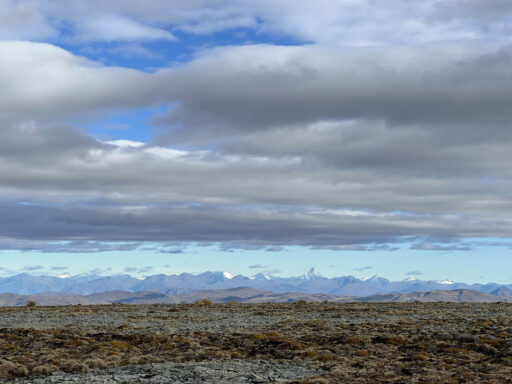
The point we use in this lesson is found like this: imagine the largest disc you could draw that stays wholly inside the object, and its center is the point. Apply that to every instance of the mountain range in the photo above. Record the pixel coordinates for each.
(186, 283)
(246, 295)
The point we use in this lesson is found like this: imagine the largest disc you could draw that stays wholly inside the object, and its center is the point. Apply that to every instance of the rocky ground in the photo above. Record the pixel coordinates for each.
(251, 343)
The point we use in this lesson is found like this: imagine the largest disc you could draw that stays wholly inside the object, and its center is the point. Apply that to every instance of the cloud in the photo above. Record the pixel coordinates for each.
(121, 29)
(250, 141)
(426, 246)
(175, 251)
(258, 266)
(32, 267)
(73, 246)
(138, 269)
(280, 87)
(414, 273)
(50, 190)
(99, 271)
(366, 268)
(275, 249)
(57, 268)
(478, 11)
(358, 247)
(57, 77)
(351, 23)
(134, 50)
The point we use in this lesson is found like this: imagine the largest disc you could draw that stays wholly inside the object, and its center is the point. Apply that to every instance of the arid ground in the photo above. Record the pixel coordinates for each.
(299, 342)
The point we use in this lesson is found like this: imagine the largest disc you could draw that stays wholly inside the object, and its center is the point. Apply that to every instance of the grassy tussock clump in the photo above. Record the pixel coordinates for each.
(74, 366)
(354, 340)
(278, 340)
(44, 369)
(12, 370)
(121, 345)
(312, 380)
(31, 303)
(203, 303)
(96, 363)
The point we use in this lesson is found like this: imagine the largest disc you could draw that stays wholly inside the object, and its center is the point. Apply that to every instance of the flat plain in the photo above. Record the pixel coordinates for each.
(242, 343)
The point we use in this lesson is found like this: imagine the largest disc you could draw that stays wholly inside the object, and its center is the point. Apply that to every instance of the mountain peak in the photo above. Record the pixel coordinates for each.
(262, 276)
(312, 274)
(228, 275)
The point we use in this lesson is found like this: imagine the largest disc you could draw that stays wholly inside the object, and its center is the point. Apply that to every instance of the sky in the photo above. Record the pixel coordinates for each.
(361, 137)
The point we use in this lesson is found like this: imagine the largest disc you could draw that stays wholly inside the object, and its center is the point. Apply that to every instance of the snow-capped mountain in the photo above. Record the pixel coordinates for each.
(264, 276)
(312, 274)
(185, 283)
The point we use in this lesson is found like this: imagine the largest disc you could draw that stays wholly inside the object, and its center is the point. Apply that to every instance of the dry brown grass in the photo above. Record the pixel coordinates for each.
(203, 303)
(44, 369)
(12, 370)
(433, 343)
(74, 366)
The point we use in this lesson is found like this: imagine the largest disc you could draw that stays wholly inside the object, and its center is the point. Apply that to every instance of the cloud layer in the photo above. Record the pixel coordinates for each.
(360, 136)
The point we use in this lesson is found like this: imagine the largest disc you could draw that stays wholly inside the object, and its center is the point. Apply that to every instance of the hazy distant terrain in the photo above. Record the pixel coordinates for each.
(247, 295)
(186, 283)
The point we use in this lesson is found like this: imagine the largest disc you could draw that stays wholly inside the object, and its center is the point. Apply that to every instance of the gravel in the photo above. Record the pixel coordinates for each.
(235, 371)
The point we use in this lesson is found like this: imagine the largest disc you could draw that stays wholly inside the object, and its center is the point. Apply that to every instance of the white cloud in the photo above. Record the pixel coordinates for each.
(42, 81)
(120, 29)
(338, 22)
(20, 20)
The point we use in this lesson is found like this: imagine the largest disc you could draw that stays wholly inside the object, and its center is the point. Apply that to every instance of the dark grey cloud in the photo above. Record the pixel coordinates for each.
(71, 246)
(275, 249)
(239, 227)
(260, 87)
(366, 268)
(414, 273)
(175, 251)
(110, 194)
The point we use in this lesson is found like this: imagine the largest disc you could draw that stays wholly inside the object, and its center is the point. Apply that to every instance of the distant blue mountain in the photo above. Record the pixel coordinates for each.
(186, 283)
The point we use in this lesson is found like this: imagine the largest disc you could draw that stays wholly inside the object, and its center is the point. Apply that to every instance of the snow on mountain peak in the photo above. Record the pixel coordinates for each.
(262, 276)
(228, 275)
(312, 274)
(64, 276)
(446, 282)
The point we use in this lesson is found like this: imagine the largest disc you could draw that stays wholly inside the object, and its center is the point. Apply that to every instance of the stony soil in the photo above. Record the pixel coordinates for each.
(239, 343)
